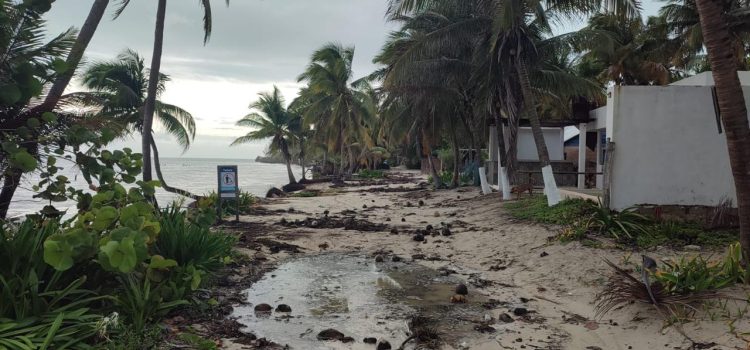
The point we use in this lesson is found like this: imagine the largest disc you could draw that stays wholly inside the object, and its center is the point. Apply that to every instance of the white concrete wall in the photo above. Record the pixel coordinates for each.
(668, 149)
(554, 137)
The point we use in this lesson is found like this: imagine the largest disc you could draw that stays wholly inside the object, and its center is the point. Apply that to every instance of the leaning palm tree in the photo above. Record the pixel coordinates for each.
(271, 121)
(120, 88)
(153, 81)
(339, 111)
(721, 53)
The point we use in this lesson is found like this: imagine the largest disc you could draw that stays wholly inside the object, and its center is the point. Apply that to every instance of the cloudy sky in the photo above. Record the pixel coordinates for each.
(255, 44)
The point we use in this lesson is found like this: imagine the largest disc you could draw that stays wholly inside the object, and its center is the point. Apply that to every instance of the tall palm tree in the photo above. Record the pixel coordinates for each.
(272, 121)
(339, 111)
(120, 86)
(718, 40)
(153, 81)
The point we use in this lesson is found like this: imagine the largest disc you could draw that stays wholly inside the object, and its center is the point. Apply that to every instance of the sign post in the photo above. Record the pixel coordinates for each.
(228, 189)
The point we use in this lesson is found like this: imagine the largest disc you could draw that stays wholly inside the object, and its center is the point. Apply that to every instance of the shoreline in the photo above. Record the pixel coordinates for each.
(501, 258)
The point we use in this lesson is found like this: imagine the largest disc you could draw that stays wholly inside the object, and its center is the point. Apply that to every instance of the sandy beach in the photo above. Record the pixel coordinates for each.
(516, 264)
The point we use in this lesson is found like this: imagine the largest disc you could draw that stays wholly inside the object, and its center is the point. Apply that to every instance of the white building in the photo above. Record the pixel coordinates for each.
(669, 146)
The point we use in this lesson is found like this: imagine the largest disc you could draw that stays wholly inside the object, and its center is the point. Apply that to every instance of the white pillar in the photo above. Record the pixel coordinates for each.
(582, 128)
(483, 181)
(599, 164)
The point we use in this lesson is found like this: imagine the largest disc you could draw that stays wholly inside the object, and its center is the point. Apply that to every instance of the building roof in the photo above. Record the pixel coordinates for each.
(707, 79)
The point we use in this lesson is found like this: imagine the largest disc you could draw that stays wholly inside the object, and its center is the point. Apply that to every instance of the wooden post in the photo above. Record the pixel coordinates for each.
(609, 159)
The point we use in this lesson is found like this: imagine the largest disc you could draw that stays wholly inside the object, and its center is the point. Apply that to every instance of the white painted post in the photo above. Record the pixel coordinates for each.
(502, 180)
(582, 129)
(599, 165)
(483, 180)
(550, 186)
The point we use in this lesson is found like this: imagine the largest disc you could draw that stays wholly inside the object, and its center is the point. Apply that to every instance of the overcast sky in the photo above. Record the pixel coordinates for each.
(255, 44)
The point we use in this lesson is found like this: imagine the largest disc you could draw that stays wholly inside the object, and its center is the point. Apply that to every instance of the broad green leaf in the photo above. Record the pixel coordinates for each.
(23, 160)
(105, 216)
(49, 117)
(58, 254)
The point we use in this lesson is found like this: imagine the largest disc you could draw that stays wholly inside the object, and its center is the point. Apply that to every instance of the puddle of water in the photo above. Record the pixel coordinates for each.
(357, 297)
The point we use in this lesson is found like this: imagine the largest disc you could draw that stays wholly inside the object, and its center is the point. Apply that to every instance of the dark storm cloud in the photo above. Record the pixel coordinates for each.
(253, 40)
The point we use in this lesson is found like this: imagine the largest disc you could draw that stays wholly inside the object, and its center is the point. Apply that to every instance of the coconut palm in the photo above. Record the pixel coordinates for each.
(272, 120)
(339, 111)
(683, 20)
(153, 81)
(120, 88)
(722, 54)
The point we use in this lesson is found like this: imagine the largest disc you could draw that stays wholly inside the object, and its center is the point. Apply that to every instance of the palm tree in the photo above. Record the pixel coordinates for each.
(721, 52)
(339, 111)
(272, 121)
(683, 20)
(120, 86)
(153, 81)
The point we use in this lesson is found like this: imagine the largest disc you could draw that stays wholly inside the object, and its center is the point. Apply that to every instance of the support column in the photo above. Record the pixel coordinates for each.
(599, 159)
(582, 129)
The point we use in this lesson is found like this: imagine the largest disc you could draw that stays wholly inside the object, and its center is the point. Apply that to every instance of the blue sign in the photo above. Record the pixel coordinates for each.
(227, 177)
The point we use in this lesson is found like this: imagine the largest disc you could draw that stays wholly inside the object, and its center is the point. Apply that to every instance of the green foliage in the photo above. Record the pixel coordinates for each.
(141, 304)
(197, 342)
(192, 244)
(624, 225)
(535, 208)
(304, 194)
(371, 174)
(697, 274)
(115, 225)
(229, 207)
(40, 307)
(129, 339)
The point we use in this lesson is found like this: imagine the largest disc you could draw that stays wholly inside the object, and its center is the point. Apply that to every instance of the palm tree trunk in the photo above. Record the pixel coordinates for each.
(153, 84)
(456, 155)
(550, 187)
(302, 159)
(74, 58)
(160, 176)
(513, 122)
(732, 107)
(503, 184)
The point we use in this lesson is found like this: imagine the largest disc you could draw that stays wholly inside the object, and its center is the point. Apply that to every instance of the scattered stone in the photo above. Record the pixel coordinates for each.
(291, 210)
(520, 311)
(421, 202)
(543, 254)
(396, 258)
(458, 299)
(379, 258)
(275, 193)
(403, 219)
(446, 231)
(383, 345)
(369, 340)
(461, 289)
(418, 237)
(692, 247)
(326, 212)
(417, 257)
(364, 206)
(330, 334)
(394, 231)
(347, 340)
(484, 328)
(387, 219)
(263, 308)
(524, 300)
(283, 308)
(505, 318)
(408, 204)
(323, 245)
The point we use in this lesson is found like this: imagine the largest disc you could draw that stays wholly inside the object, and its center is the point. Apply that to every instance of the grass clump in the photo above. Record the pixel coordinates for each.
(535, 208)
(371, 174)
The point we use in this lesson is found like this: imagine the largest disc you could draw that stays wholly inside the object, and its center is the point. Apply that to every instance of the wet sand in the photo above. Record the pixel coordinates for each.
(513, 262)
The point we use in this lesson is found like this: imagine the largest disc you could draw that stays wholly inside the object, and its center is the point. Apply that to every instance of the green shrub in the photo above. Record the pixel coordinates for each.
(624, 225)
(371, 174)
(696, 274)
(140, 304)
(191, 243)
(229, 207)
(40, 307)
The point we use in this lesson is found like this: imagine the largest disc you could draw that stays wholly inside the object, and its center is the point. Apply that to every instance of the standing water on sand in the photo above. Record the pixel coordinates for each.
(359, 298)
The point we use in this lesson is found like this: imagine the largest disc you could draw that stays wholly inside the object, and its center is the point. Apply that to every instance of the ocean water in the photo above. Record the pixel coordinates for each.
(197, 175)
